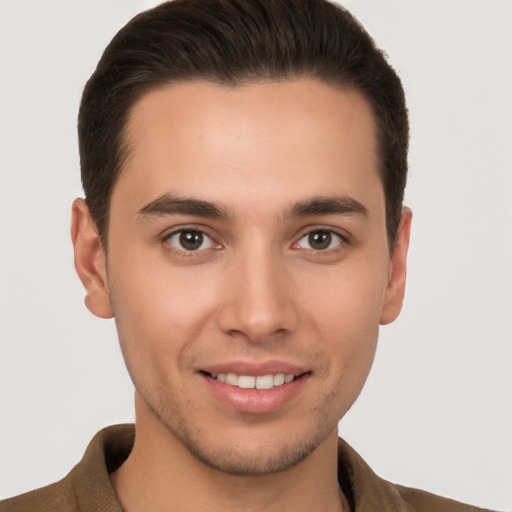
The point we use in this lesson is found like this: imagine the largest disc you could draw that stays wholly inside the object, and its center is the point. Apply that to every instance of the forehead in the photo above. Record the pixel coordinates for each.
(211, 139)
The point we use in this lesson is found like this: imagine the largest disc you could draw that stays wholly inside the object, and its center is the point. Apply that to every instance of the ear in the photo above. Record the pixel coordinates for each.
(90, 261)
(395, 290)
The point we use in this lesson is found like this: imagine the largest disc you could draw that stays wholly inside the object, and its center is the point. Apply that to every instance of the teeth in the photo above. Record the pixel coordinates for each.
(279, 379)
(288, 378)
(251, 382)
(264, 382)
(232, 379)
(246, 381)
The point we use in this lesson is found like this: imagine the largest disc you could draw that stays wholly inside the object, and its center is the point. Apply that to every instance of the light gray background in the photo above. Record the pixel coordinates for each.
(437, 410)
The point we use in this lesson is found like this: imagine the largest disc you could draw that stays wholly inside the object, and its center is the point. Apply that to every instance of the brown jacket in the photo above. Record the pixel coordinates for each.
(87, 487)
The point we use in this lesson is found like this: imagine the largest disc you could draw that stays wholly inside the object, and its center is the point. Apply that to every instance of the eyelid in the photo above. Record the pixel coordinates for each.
(345, 238)
(176, 230)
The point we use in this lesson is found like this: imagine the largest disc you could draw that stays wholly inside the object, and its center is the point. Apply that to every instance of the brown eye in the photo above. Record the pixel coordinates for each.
(320, 240)
(190, 240)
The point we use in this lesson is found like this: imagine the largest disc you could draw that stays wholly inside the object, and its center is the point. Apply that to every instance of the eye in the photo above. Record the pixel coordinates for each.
(320, 240)
(190, 240)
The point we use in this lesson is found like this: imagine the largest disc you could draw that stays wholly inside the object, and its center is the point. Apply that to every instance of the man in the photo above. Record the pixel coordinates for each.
(244, 168)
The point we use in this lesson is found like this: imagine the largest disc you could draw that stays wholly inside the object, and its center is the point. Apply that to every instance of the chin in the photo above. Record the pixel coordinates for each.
(255, 450)
(251, 459)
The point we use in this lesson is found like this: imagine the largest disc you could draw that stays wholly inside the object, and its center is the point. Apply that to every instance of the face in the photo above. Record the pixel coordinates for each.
(248, 266)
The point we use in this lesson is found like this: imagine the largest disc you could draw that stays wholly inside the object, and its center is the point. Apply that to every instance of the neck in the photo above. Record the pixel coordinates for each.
(161, 474)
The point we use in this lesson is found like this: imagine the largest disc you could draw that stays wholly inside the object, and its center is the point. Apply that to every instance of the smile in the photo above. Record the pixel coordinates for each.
(254, 382)
(256, 390)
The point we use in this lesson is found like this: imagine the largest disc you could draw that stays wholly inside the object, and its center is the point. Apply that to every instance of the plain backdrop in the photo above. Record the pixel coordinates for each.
(437, 409)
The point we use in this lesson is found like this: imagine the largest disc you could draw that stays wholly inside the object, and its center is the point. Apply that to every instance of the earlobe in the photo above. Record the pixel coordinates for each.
(395, 290)
(90, 261)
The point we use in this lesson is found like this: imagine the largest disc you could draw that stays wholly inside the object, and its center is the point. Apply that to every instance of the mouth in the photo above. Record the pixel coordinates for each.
(267, 381)
(256, 390)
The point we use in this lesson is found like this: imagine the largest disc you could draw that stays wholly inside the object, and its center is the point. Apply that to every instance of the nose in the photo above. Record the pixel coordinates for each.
(258, 300)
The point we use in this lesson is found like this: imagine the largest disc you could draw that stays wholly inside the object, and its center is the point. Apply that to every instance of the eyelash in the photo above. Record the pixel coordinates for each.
(332, 236)
(342, 241)
(185, 231)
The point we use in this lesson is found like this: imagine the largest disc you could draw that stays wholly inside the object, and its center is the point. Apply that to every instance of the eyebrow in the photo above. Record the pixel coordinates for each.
(332, 205)
(171, 205)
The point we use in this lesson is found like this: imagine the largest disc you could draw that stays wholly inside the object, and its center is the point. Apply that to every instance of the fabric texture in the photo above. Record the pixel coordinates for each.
(87, 486)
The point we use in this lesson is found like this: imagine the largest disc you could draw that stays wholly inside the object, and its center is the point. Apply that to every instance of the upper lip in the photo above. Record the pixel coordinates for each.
(253, 368)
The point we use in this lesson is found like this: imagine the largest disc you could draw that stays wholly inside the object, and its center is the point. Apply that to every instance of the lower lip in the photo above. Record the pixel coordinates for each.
(256, 401)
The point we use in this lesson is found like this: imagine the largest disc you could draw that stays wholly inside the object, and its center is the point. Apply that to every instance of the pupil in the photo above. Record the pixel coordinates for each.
(191, 240)
(320, 240)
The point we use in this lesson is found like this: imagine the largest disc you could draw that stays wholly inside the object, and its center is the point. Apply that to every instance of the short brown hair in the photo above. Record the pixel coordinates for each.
(232, 42)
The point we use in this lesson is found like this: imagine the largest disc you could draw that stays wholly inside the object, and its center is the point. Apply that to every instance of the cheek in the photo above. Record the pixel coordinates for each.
(162, 315)
(158, 298)
(344, 311)
(348, 299)
(158, 318)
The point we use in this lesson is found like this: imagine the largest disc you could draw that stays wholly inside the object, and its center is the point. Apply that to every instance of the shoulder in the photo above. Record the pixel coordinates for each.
(56, 497)
(87, 486)
(367, 492)
(423, 501)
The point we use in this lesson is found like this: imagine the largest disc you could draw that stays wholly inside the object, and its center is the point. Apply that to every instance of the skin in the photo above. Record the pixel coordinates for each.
(259, 289)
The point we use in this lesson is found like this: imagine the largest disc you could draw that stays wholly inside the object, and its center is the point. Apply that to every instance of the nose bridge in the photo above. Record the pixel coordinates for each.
(259, 302)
